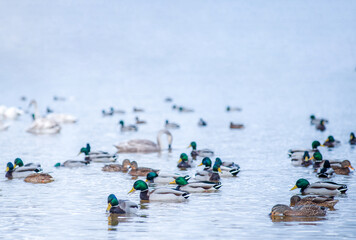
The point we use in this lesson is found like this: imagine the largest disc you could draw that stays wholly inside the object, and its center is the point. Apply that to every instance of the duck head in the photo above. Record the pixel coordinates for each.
(183, 158)
(329, 139)
(121, 123)
(317, 157)
(206, 162)
(316, 144)
(84, 150)
(9, 167)
(112, 202)
(181, 181)
(312, 117)
(151, 176)
(193, 145)
(352, 136)
(306, 156)
(139, 185)
(18, 162)
(294, 199)
(301, 183)
(216, 168)
(346, 164)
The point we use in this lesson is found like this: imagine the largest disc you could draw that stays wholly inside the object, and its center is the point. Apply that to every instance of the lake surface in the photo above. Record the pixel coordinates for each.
(279, 61)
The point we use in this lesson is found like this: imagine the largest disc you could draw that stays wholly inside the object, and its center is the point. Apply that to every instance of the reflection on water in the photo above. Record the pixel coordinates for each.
(297, 219)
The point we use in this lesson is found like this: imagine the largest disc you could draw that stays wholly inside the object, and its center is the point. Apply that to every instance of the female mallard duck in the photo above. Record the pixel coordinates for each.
(352, 140)
(300, 211)
(202, 123)
(326, 171)
(236, 126)
(116, 206)
(98, 156)
(143, 145)
(331, 142)
(124, 167)
(42, 125)
(170, 125)
(183, 162)
(158, 194)
(209, 175)
(320, 188)
(140, 171)
(195, 187)
(321, 126)
(342, 168)
(11, 172)
(315, 121)
(232, 109)
(29, 166)
(200, 153)
(39, 178)
(129, 128)
(298, 153)
(322, 201)
(228, 169)
(153, 177)
(138, 121)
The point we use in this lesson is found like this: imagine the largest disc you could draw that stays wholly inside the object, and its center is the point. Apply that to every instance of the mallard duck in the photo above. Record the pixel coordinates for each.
(232, 109)
(19, 172)
(326, 171)
(143, 145)
(73, 163)
(153, 177)
(228, 169)
(116, 206)
(168, 99)
(29, 166)
(62, 118)
(315, 121)
(298, 153)
(320, 188)
(322, 201)
(124, 167)
(98, 156)
(331, 142)
(138, 109)
(57, 98)
(184, 162)
(202, 123)
(186, 110)
(317, 160)
(195, 187)
(158, 194)
(140, 171)
(107, 113)
(300, 210)
(342, 168)
(304, 160)
(129, 128)
(138, 121)
(39, 178)
(209, 175)
(42, 125)
(117, 111)
(236, 126)
(170, 125)
(321, 126)
(200, 153)
(352, 140)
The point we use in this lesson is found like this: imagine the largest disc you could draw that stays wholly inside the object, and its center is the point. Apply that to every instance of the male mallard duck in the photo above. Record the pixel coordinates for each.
(107, 113)
(116, 206)
(304, 161)
(298, 153)
(352, 140)
(315, 121)
(138, 109)
(317, 160)
(73, 163)
(321, 126)
(195, 187)
(183, 162)
(326, 171)
(158, 194)
(300, 210)
(202, 123)
(140, 171)
(228, 169)
(331, 142)
(171, 125)
(186, 110)
(236, 125)
(231, 109)
(117, 111)
(153, 177)
(99, 156)
(39, 178)
(19, 172)
(322, 201)
(124, 167)
(138, 121)
(200, 153)
(29, 166)
(320, 188)
(209, 175)
(342, 168)
(129, 128)
(145, 146)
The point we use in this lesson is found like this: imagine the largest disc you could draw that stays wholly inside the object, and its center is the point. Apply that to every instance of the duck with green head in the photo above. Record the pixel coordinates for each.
(201, 153)
(228, 169)
(98, 156)
(158, 194)
(315, 121)
(298, 153)
(317, 160)
(184, 162)
(129, 128)
(320, 188)
(19, 172)
(171, 125)
(210, 175)
(326, 171)
(330, 142)
(118, 206)
(352, 140)
(321, 126)
(29, 166)
(195, 187)
(155, 178)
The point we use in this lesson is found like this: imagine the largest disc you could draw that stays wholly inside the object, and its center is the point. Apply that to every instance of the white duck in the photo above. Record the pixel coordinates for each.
(42, 125)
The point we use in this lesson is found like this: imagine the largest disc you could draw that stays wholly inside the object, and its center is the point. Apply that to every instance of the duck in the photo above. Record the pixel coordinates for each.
(326, 171)
(62, 118)
(209, 175)
(184, 162)
(315, 121)
(300, 211)
(116, 206)
(140, 171)
(107, 113)
(124, 167)
(186, 110)
(129, 128)
(233, 109)
(171, 125)
(341, 167)
(154, 178)
(143, 145)
(39, 178)
(228, 169)
(19, 173)
(195, 187)
(202, 123)
(138, 109)
(322, 201)
(20, 165)
(58, 98)
(201, 153)
(321, 126)
(168, 99)
(98, 156)
(138, 121)
(159, 194)
(301, 160)
(317, 160)
(42, 125)
(73, 163)
(352, 140)
(236, 126)
(320, 188)
(330, 142)
(295, 153)
(116, 111)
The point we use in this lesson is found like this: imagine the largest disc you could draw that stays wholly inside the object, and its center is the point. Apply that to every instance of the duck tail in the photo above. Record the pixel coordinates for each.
(218, 185)
(186, 195)
(343, 188)
(187, 177)
(234, 172)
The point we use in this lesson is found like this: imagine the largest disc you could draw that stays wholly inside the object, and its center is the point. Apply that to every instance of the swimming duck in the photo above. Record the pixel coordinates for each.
(116, 206)
(140, 171)
(129, 128)
(341, 167)
(138, 109)
(331, 142)
(143, 145)
(209, 175)
(320, 188)
(107, 113)
(138, 121)
(170, 125)
(153, 177)
(42, 125)
(321, 126)
(200, 153)
(57, 98)
(228, 169)
(236, 126)
(31, 166)
(158, 194)
(73, 163)
(186, 110)
(98, 156)
(117, 111)
(317, 160)
(326, 171)
(124, 167)
(315, 121)
(202, 123)
(19, 172)
(195, 187)
(304, 160)
(39, 178)
(231, 109)
(295, 153)
(168, 99)
(183, 162)
(322, 201)
(352, 140)
(300, 210)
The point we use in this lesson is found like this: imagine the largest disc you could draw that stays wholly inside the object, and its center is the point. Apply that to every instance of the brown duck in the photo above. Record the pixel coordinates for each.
(301, 210)
(140, 171)
(236, 126)
(39, 178)
(322, 201)
(342, 168)
(124, 167)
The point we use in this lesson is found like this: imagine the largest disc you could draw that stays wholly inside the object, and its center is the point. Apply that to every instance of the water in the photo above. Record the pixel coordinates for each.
(280, 62)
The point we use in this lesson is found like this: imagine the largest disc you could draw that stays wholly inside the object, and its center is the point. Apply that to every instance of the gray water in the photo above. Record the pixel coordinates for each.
(280, 61)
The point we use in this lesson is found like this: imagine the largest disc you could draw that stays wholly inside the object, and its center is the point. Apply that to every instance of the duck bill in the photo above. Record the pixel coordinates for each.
(180, 160)
(312, 158)
(132, 190)
(146, 180)
(200, 164)
(15, 165)
(79, 153)
(306, 159)
(295, 187)
(351, 167)
(219, 169)
(190, 145)
(7, 169)
(173, 182)
(109, 207)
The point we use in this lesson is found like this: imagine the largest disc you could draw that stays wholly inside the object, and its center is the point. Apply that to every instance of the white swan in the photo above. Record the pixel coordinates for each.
(11, 113)
(42, 125)
(143, 145)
